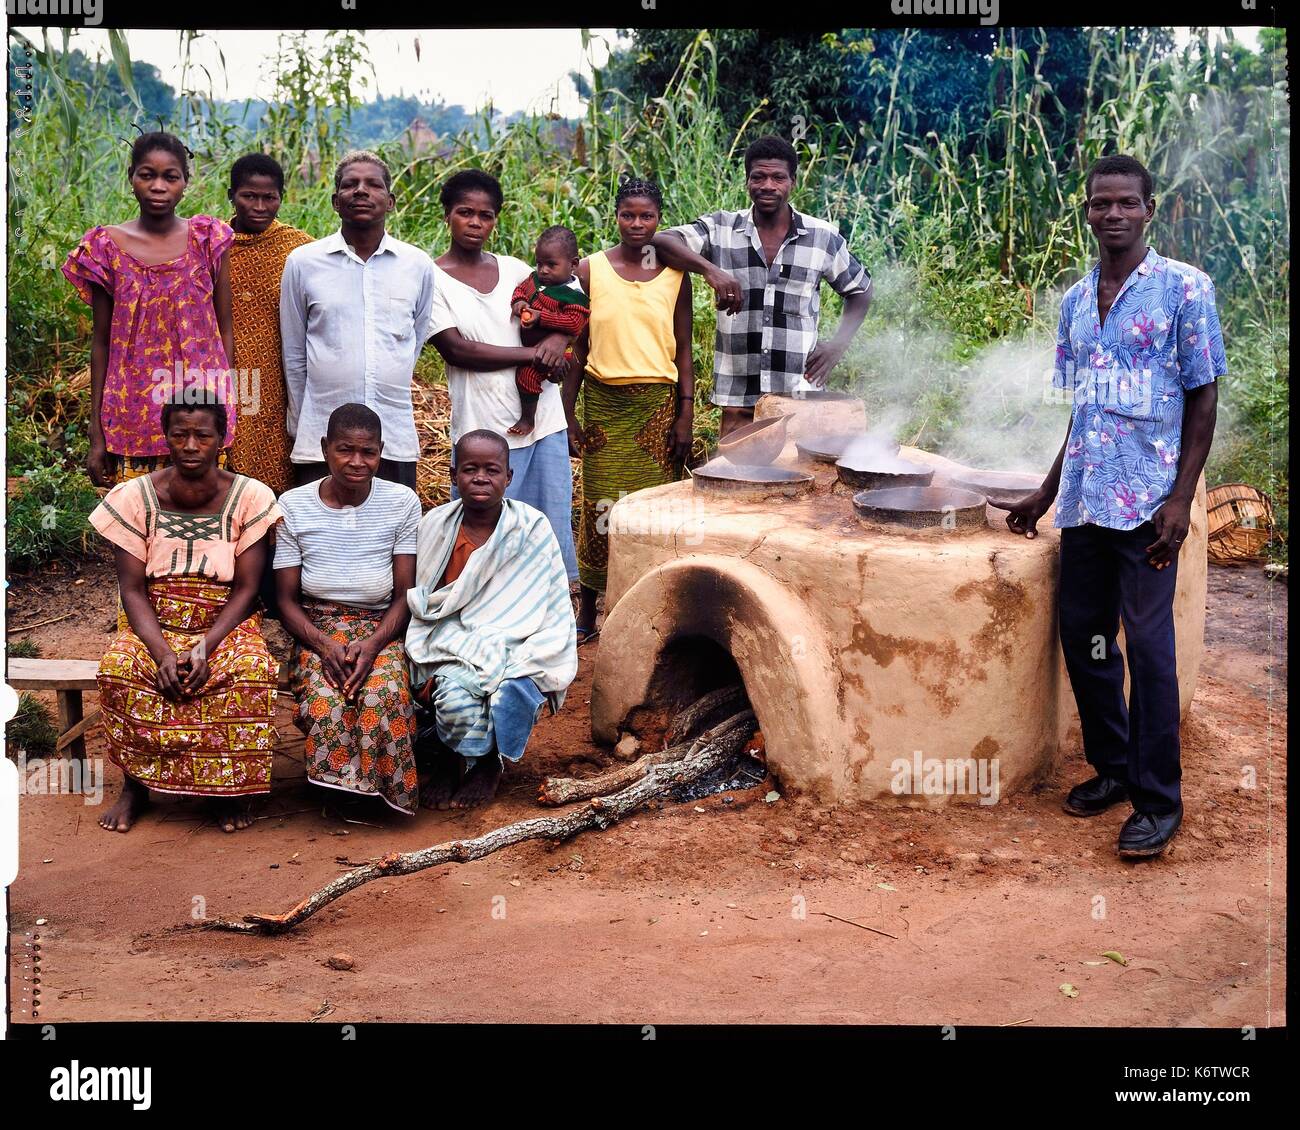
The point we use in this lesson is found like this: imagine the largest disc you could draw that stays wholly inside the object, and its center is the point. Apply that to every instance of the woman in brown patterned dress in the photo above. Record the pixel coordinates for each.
(261, 246)
(187, 687)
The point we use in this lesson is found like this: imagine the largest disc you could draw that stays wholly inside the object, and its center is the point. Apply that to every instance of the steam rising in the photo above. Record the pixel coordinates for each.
(994, 411)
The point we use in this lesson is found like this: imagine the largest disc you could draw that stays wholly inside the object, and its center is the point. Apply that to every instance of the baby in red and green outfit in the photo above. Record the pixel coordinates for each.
(550, 300)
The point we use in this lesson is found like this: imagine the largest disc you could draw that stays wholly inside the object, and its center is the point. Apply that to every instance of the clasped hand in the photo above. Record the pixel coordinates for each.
(348, 666)
(183, 676)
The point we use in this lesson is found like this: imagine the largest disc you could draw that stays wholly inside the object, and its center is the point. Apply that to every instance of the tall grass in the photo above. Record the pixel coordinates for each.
(973, 232)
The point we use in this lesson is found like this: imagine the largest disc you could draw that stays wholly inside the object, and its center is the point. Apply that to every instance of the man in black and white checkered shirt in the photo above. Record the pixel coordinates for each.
(766, 266)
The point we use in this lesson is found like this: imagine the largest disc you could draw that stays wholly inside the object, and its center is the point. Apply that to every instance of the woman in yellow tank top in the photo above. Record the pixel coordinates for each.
(638, 386)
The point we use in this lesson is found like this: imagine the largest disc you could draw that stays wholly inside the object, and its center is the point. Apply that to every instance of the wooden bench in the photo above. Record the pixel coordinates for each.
(69, 678)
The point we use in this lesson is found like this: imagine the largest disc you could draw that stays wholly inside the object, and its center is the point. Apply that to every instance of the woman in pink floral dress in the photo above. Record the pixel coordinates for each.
(159, 289)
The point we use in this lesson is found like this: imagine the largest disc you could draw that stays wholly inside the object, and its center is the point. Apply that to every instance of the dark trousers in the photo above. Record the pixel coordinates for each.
(404, 473)
(1105, 577)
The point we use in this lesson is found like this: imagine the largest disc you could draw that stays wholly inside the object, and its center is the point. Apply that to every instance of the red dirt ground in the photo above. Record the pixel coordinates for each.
(691, 912)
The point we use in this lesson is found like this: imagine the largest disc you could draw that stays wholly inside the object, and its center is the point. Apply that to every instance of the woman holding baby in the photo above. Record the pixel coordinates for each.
(478, 334)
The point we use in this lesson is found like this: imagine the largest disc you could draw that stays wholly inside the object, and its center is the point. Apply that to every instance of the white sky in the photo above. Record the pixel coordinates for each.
(518, 69)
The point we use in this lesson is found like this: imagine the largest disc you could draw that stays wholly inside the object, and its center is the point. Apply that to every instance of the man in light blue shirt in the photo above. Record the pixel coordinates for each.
(354, 314)
(1140, 349)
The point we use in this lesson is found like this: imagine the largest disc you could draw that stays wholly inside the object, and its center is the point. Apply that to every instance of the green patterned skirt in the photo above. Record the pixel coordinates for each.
(626, 429)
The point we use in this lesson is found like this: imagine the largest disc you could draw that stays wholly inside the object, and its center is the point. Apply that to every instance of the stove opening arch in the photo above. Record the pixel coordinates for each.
(702, 620)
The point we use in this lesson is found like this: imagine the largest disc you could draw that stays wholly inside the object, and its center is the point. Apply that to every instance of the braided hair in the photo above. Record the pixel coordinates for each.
(638, 186)
(147, 143)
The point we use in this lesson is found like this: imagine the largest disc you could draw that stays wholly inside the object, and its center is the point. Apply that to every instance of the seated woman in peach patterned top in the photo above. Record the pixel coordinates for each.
(188, 690)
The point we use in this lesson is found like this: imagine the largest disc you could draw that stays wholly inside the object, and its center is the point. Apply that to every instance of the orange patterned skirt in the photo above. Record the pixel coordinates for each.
(218, 743)
(366, 746)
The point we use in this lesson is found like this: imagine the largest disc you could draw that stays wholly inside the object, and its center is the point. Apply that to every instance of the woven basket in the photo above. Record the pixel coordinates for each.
(1240, 521)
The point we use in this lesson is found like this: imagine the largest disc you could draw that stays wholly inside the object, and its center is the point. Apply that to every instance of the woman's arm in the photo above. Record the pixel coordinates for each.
(97, 457)
(683, 433)
(573, 378)
(363, 653)
(243, 592)
(143, 619)
(224, 305)
(477, 355)
(288, 592)
(458, 350)
(570, 387)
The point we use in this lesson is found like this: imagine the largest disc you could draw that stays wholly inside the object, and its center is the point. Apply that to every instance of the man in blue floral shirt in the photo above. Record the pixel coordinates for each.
(1140, 349)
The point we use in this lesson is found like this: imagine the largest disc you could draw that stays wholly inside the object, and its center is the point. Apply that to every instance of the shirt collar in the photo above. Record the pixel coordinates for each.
(1150, 261)
(336, 242)
(796, 222)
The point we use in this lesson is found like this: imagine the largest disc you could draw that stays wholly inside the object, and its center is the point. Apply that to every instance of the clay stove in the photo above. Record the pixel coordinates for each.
(861, 640)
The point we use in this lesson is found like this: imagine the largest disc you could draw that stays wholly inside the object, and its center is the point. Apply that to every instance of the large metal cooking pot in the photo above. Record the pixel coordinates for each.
(876, 475)
(1003, 489)
(721, 477)
(922, 508)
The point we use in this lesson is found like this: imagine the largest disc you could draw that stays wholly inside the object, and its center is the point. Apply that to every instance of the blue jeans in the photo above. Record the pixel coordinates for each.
(1105, 577)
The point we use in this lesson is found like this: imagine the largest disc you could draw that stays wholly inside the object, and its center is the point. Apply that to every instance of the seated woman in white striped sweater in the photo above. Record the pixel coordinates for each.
(343, 562)
(492, 636)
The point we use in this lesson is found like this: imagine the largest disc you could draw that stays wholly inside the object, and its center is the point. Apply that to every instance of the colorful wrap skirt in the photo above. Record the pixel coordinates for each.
(365, 746)
(625, 431)
(217, 743)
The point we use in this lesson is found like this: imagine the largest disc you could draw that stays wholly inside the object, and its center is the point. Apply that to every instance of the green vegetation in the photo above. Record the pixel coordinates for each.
(31, 730)
(46, 518)
(954, 164)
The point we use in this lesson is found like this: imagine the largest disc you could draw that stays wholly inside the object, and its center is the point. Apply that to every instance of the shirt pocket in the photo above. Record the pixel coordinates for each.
(798, 290)
(396, 315)
(1132, 394)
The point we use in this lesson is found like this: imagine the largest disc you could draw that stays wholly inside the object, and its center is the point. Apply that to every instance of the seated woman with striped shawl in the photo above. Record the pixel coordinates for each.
(491, 638)
(344, 559)
(188, 689)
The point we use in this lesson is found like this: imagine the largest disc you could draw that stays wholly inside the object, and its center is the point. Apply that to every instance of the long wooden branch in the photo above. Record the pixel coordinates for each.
(555, 791)
(710, 751)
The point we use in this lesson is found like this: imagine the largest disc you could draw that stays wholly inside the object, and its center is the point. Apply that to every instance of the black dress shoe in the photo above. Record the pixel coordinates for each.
(1146, 834)
(1095, 796)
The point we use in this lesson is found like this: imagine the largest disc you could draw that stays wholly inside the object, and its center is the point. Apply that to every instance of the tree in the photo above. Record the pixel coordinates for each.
(946, 76)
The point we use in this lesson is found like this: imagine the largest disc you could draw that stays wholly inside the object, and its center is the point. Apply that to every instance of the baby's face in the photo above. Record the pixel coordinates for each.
(554, 267)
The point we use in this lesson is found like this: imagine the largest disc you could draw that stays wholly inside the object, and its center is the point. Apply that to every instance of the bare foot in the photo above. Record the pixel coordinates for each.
(480, 784)
(233, 814)
(133, 801)
(444, 776)
(521, 427)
